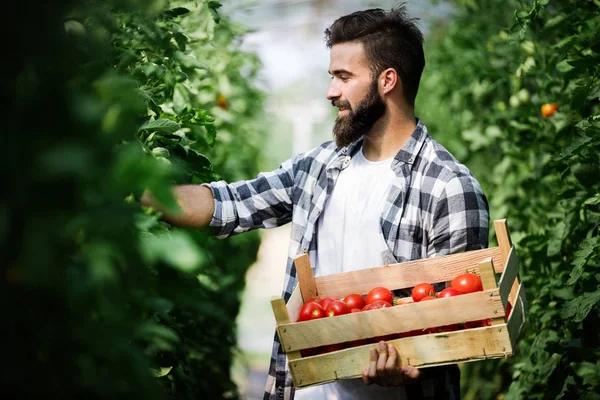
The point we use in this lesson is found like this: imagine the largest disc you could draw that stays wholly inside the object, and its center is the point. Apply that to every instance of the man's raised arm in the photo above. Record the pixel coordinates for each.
(196, 203)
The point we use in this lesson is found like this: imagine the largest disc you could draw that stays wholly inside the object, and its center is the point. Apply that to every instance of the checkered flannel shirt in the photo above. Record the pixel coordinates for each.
(434, 207)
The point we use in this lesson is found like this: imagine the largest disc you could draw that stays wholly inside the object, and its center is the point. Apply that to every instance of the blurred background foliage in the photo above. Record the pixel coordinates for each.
(491, 67)
(101, 299)
(106, 98)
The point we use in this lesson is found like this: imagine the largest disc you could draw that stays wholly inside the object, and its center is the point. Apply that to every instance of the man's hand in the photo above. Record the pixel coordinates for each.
(383, 368)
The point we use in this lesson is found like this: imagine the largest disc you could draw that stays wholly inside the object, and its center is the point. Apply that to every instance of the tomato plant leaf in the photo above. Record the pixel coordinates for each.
(585, 250)
(579, 307)
(160, 125)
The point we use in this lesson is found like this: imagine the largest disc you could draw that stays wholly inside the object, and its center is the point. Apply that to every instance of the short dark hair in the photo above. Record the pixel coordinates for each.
(390, 39)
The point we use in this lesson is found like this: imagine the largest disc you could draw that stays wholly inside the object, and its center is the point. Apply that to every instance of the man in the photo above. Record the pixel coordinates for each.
(383, 192)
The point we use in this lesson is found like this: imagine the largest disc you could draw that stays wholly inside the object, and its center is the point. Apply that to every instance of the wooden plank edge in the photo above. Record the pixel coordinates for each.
(509, 275)
(516, 319)
(307, 363)
(407, 274)
(404, 318)
(306, 278)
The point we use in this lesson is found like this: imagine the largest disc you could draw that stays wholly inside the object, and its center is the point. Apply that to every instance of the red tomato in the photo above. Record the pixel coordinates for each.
(422, 290)
(467, 283)
(478, 324)
(332, 347)
(508, 310)
(379, 293)
(355, 310)
(311, 310)
(354, 301)
(337, 307)
(325, 302)
(376, 305)
(448, 292)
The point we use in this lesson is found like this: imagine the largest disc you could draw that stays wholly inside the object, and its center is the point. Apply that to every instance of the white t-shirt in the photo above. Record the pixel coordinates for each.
(349, 238)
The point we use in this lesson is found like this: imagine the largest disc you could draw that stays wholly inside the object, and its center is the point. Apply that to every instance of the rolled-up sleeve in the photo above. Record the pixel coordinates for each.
(263, 202)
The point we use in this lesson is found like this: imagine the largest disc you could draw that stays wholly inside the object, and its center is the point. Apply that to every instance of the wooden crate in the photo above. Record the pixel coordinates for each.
(497, 340)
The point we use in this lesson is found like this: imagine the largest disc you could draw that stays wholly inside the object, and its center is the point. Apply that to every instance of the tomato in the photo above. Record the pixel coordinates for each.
(354, 301)
(508, 310)
(336, 307)
(379, 293)
(467, 283)
(332, 347)
(478, 324)
(422, 290)
(377, 304)
(310, 352)
(325, 302)
(311, 310)
(355, 310)
(428, 298)
(549, 109)
(448, 292)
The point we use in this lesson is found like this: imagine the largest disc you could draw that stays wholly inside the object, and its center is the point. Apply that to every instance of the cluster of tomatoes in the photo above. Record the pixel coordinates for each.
(381, 297)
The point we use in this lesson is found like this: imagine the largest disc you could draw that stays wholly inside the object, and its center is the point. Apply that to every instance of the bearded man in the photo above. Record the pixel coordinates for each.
(384, 191)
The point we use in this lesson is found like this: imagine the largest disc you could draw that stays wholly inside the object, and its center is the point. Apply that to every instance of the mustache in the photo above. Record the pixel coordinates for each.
(341, 104)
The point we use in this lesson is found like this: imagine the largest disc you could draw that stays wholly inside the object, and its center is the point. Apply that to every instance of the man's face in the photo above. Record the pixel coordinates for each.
(354, 92)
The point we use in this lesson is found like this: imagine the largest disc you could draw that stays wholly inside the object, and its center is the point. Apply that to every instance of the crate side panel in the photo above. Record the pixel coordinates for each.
(406, 274)
(422, 351)
(386, 321)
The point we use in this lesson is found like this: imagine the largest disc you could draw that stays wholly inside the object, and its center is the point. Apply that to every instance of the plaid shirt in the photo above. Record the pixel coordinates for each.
(434, 207)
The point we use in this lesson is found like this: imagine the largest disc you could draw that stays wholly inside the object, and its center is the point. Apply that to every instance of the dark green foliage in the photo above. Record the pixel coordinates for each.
(101, 300)
(489, 73)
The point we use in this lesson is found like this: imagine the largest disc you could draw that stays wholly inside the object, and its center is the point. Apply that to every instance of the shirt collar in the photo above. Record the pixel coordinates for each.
(409, 151)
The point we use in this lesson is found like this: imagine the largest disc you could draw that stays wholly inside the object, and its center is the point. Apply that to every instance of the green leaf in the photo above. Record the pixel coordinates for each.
(181, 98)
(569, 381)
(592, 201)
(160, 125)
(578, 143)
(176, 12)
(579, 307)
(176, 249)
(585, 250)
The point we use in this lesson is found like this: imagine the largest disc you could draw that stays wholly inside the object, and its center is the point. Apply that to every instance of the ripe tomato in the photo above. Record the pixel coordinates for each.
(448, 292)
(354, 301)
(467, 283)
(325, 302)
(422, 290)
(311, 310)
(377, 304)
(336, 307)
(379, 293)
(549, 109)
(355, 310)
(508, 310)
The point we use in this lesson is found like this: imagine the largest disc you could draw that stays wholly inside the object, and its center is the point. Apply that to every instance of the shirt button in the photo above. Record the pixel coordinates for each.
(346, 161)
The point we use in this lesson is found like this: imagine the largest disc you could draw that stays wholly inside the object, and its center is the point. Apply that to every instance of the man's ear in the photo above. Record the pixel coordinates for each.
(389, 79)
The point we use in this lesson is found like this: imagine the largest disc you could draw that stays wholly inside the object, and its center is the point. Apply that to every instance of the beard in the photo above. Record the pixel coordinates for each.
(358, 123)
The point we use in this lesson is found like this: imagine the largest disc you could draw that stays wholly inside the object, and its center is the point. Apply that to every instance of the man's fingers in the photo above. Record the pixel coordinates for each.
(365, 375)
(391, 364)
(382, 349)
(372, 373)
(411, 372)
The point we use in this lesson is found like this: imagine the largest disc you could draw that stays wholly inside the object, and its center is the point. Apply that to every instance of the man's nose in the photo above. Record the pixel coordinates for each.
(333, 92)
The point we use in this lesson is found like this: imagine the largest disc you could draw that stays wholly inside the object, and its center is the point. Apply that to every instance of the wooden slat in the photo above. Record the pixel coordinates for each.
(421, 351)
(282, 318)
(406, 274)
(505, 243)
(509, 275)
(294, 305)
(516, 320)
(503, 237)
(488, 280)
(386, 321)
(306, 279)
